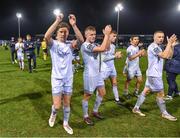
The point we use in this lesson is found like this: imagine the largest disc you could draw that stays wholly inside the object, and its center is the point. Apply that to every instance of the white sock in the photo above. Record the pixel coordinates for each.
(97, 103)
(140, 100)
(22, 64)
(116, 94)
(85, 108)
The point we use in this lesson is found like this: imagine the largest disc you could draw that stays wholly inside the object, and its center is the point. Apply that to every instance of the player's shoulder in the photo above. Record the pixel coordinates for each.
(154, 48)
(113, 46)
(152, 45)
(68, 42)
(87, 44)
(130, 47)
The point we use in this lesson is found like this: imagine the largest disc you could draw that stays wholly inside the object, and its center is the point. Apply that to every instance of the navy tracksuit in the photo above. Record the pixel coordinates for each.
(13, 51)
(30, 53)
(38, 45)
(172, 67)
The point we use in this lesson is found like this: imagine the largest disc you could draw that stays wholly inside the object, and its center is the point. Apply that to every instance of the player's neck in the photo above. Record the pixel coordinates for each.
(61, 41)
(89, 41)
(157, 43)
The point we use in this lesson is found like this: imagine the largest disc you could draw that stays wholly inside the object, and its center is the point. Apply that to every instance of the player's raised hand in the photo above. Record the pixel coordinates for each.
(143, 52)
(118, 54)
(60, 17)
(172, 40)
(107, 30)
(74, 44)
(72, 19)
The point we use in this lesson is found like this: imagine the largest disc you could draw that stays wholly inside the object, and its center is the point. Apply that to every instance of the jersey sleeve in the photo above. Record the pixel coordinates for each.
(129, 52)
(89, 48)
(16, 46)
(52, 44)
(156, 50)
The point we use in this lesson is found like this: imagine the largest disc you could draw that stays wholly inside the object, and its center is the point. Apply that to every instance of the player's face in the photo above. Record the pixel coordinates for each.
(62, 34)
(159, 38)
(113, 37)
(135, 41)
(90, 36)
(28, 37)
(19, 40)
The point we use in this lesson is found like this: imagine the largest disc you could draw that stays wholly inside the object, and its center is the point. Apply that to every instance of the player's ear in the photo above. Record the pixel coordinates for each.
(85, 34)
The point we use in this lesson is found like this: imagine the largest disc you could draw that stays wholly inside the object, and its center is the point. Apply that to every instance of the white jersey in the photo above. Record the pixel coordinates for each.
(108, 57)
(61, 56)
(133, 64)
(90, 58)
(155, 63)
(20, 48)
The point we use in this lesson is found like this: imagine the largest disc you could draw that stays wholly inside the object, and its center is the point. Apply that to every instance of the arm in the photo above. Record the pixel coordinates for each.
(72, 21)
(106, 42)
(117, 55)
(52, 28)
(168, 52)
(136, 55)
(16, 47)
(108, 58)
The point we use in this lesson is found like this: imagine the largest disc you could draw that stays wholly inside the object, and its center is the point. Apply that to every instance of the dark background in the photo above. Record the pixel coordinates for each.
(138, 16)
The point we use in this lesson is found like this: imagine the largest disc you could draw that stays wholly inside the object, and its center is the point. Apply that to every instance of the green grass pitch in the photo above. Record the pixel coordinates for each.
(25, 104)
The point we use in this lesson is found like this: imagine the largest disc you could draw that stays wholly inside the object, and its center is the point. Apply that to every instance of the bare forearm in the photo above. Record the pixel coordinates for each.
(106, 42)
(171, 52)
(78, 33)
(167, 52)
(108, 58)
(51, 30)
(134, 56)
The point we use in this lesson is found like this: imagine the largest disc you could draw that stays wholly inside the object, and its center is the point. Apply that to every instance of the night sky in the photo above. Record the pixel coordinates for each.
(138, 16)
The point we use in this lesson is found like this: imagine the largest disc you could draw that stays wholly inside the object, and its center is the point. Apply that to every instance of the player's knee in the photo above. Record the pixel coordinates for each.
(57, 105)
(139, 80)
(160, 94)
(86, 96)
(114, 83)
(102, 93)
(146, 91)
(66, 104)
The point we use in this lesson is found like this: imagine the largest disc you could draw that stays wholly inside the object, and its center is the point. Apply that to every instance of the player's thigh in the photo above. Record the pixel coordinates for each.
(90, 84)
(68, 86)
(57, 86)
(57, 101)
(155, 84)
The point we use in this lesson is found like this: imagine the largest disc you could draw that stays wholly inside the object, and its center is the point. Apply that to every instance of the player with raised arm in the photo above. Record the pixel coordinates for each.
(62, 74)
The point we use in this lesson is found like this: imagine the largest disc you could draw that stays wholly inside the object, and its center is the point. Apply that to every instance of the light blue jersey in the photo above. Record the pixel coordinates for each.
(133, 64)
(90, 58)
(109, 56)
(155, 63)
(20, 48)
(92, 68)
(61, 56)
(108, 68)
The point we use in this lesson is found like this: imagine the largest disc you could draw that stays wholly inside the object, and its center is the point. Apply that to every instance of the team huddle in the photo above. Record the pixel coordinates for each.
(99, 65)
